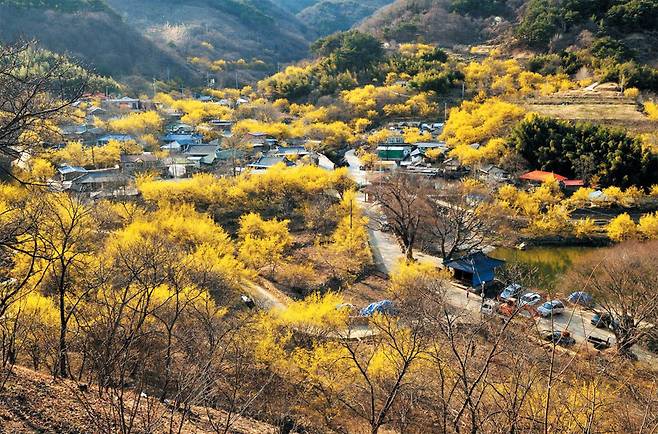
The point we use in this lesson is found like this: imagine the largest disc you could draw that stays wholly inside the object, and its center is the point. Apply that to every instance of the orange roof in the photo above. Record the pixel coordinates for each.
(540, 176)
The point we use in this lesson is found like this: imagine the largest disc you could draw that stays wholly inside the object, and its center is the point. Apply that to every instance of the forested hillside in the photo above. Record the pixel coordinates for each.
(110, 46)
(159, 38)
(227, 30)
(324, 17)
(618, 29)
(433, 21)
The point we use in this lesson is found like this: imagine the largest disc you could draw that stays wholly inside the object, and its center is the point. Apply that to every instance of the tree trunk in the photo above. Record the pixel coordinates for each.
(63, 353)
(409, 253)
(625, 348)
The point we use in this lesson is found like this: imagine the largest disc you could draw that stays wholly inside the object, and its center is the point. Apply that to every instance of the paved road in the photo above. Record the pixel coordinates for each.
(387, 254)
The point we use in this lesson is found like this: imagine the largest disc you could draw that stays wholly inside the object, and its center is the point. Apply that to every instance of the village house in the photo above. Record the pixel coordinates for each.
(491, 173)
(124, 103)
(476, 269)
(180, 129)
(265, 162)
(104, 140)
(73, 132)
(418, 154)
(201, 154)
(290, 151)
(223, 126)
(178, 167)
(538, 177)
(110, 181)
(183, 139)
(395, 153)
(97, 112)
(451, 168)
(260, 142)
(66, 172)
(134, 164)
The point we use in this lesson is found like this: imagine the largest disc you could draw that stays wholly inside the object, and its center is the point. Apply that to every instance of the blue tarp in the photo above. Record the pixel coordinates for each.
(384, 307)
(481, 266)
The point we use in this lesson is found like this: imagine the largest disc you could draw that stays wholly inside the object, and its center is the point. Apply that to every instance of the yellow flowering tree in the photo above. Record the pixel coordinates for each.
(622, 228)
(263, 242)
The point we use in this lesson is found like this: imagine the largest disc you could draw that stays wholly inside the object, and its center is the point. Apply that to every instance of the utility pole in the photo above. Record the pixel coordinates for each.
(445, 112)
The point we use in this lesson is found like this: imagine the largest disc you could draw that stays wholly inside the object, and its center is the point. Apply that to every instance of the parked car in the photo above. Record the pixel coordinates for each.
(582, 298)
(599, 343)
(529, 299)
(553, 307)
(603, 320)
(508, 308)
(248, 301)
(557, 337)
(488, 307)
(511, 291)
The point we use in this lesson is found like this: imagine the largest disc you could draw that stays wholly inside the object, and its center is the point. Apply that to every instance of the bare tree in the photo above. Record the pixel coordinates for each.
(623, 281)
(237, 147)
(373, 397)
(454, 225)
(403, 199)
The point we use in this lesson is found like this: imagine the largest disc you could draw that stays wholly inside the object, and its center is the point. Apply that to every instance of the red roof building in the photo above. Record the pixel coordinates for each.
(573, 183)
(540, 176)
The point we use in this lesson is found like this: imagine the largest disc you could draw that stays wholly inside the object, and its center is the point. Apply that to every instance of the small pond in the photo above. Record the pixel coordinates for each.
(550, 263)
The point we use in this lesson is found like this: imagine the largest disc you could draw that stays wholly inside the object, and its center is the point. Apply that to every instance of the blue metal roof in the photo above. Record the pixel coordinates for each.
(480, 266)
(474, 263)
(183, 139)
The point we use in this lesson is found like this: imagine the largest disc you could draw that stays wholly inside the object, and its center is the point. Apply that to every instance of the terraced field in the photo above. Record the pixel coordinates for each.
(599, 106)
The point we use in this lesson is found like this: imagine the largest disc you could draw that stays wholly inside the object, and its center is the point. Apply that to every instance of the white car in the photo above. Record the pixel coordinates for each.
(512, 291)
(529, 299)
(554, 307)
(488, 307)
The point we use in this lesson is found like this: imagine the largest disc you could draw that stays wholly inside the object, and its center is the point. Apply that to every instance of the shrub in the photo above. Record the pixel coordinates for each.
(622, 228)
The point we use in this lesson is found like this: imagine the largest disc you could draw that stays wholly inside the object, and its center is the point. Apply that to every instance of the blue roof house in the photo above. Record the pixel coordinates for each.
(475, 269)
(183, 139)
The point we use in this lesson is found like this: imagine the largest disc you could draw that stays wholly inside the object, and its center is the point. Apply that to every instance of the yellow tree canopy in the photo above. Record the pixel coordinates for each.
(473, 122)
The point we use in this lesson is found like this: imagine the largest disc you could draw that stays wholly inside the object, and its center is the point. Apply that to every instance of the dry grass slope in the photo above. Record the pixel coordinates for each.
(32, 402)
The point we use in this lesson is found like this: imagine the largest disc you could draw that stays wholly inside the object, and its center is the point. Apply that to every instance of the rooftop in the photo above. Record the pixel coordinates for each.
(147, 156)
(541, 176)
(475, 262)
(201, 150)
(266, 162)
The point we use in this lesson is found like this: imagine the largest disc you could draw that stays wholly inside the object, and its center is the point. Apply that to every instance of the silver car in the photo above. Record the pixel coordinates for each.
(529, 299)
(554, 307)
